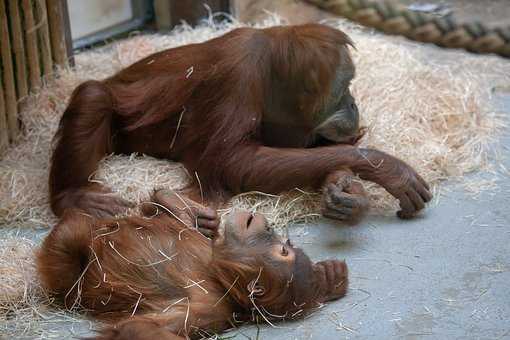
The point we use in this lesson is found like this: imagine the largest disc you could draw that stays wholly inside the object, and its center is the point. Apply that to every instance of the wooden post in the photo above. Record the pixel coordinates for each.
(34, 67)
(4, 134)
(31, 43)
(66, 29)
(43, 34)
(163, 17)
(11, 105)
(59, 29)
(19, 49)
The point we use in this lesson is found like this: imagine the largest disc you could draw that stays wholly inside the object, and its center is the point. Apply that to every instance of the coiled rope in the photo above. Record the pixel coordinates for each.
(445, 32)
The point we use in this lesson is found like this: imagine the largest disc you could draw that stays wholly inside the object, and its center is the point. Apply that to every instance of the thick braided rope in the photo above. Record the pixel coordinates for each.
(445, 32)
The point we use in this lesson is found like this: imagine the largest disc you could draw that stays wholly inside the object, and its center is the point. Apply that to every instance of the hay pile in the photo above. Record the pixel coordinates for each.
(436, 113)
(26, 311)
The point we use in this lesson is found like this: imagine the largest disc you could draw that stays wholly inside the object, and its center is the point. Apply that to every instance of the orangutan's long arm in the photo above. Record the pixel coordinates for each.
(274, 170)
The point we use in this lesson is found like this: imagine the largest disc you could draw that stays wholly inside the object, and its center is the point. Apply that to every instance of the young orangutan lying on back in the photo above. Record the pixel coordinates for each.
(159, 278)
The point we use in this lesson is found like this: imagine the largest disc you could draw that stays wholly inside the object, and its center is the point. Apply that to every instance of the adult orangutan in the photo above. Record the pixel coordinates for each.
(256, 109)
(158, 277)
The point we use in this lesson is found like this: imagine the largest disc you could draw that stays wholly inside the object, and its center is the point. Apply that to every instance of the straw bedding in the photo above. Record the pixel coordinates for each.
(432, 109)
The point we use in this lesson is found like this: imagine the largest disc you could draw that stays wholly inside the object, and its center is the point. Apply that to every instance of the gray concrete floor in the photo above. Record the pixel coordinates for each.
(445, 275)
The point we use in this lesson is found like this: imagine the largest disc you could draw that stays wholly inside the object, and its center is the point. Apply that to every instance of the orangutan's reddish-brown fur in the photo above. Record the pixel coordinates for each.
(157, 278)
(203, 105)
